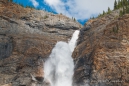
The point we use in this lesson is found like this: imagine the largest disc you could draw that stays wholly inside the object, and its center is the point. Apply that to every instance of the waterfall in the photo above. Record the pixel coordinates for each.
(59, 67)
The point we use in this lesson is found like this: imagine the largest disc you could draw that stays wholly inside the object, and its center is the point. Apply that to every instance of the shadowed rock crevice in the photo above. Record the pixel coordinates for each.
(6, 47)
(83, 69)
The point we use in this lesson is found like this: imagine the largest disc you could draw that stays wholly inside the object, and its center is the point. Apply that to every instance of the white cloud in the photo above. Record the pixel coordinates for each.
(80, 9)
(35, 3)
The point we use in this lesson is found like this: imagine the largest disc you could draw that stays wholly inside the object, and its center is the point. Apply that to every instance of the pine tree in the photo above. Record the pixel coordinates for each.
(119, 4)
(109, 10)
(126, 7)
(127, 10)
(103, 12)
(115, 5)
(123, 7)
(124, 2)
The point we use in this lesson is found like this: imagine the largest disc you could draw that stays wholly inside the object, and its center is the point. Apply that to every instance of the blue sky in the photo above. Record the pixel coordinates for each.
(82, 10)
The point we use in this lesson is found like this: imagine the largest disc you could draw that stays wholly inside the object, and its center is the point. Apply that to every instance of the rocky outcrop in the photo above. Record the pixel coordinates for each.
(102, 55)
(27, 37)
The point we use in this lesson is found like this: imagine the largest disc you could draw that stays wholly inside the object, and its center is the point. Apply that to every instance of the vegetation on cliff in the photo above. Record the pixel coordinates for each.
(122, 5)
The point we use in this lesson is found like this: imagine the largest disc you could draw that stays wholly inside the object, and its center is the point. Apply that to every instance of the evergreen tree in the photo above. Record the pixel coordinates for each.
(115, 5)
(109, 10)
(123, 6)
(103, 12)
(119, 4)
(127, 7)
(124, 2)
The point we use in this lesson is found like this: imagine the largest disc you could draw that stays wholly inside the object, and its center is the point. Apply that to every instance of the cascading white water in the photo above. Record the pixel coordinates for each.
(72, 42)
(59, 67)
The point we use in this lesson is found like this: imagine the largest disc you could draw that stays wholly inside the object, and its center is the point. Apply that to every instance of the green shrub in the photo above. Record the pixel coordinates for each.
(45, 17)
(115, 29)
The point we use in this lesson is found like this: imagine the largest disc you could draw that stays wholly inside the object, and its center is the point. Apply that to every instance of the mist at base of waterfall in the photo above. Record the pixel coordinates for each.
(59, 67)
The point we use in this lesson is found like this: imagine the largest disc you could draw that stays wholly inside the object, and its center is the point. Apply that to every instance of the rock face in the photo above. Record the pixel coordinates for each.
(6, 47)
(102, 54)
(27, 37)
